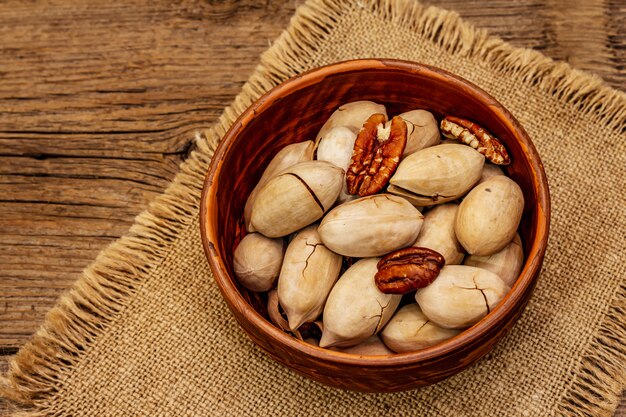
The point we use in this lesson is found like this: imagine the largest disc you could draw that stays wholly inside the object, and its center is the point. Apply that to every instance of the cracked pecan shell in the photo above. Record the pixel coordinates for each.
(408, 269)
(376, 154)
(475, 136)
(307, 275)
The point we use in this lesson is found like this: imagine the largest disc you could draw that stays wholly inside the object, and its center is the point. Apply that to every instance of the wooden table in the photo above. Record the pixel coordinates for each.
(98, 105)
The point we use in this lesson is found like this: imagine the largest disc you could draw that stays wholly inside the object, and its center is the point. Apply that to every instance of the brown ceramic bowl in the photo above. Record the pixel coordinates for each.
(294, 111)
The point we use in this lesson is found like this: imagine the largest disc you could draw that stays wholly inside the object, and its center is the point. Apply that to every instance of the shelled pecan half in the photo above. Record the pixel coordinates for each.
(475, 136)
(408, 269)
(376, 154)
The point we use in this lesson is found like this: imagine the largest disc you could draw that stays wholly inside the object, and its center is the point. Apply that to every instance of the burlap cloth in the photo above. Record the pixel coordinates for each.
(145, 331)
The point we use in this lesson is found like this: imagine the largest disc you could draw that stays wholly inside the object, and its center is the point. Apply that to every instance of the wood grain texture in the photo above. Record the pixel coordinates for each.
(98, 105)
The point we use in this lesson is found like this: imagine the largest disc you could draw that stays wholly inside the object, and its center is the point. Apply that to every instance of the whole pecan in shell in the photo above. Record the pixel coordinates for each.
(408, 269)
(478, 138)
(376, 154)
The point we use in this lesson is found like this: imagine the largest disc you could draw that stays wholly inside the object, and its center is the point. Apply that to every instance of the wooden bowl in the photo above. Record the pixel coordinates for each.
(294, 111)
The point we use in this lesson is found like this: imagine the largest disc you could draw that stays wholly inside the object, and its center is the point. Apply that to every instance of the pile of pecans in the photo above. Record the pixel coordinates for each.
(379, 237)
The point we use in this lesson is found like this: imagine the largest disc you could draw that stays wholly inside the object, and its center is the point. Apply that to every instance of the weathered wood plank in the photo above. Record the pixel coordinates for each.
(99, 106)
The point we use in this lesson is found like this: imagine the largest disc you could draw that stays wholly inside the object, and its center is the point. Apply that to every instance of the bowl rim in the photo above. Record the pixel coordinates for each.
(525, 281)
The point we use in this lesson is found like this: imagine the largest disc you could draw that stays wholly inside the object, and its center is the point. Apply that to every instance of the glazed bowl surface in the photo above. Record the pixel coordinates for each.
(294, 111)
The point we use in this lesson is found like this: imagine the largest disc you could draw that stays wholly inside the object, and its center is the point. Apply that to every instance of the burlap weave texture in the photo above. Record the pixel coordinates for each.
(145, 332)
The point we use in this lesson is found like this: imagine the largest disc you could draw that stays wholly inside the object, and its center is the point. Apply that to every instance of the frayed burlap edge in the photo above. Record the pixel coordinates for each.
(38, 370)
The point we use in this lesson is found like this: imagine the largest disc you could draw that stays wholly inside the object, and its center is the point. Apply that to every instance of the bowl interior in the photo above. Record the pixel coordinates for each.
(296, 110)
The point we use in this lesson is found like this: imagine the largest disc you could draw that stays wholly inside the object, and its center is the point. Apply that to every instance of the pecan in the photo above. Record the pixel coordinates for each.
(277, 316)
(408, 269)
(477, 137)
(376, 154)
(275, 312)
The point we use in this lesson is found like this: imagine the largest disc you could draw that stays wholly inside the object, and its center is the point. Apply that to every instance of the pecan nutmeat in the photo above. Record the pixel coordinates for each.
(408, 269)
(376, 154)
(475, 136)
